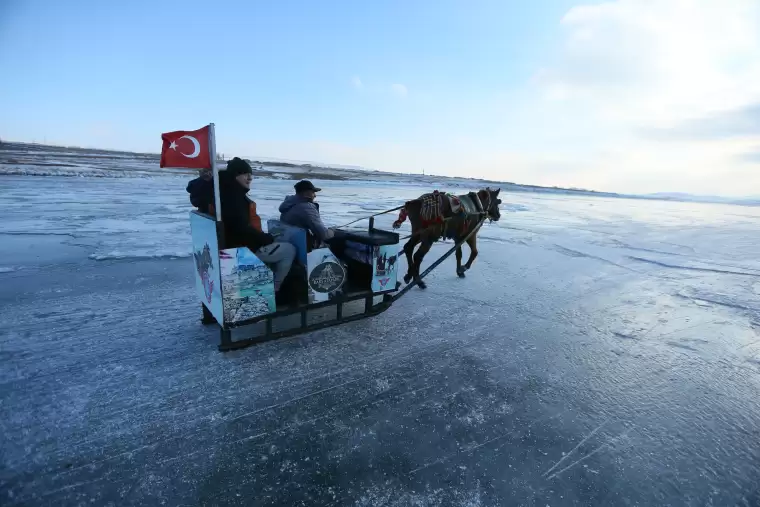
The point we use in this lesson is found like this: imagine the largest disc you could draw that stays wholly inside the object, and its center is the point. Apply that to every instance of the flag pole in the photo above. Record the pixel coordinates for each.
(214, 169)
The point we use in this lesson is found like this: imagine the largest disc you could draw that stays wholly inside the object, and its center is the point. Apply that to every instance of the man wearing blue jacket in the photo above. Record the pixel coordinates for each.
(300, 210)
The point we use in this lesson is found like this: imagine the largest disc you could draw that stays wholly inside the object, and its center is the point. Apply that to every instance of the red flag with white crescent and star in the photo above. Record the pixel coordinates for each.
(186, 148)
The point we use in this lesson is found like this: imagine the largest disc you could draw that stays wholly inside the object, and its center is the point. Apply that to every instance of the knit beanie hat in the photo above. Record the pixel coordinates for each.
(238, 166)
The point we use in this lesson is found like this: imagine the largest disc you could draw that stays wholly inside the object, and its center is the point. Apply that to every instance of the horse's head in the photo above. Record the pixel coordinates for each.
(491, 201)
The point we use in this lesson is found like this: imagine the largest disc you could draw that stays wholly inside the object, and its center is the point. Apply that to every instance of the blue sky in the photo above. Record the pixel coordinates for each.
(545, 92)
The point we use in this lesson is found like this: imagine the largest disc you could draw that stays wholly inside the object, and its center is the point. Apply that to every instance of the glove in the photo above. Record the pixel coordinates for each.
(267, 239)
(261, 238)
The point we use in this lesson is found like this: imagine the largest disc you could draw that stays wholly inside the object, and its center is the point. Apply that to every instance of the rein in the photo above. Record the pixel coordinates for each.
(370, 216)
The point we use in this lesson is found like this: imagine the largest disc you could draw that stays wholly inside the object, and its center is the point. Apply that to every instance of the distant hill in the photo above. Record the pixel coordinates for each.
(47, 160)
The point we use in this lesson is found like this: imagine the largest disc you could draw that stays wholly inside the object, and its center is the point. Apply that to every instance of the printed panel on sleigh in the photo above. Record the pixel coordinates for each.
(247, 285)
(326, 274)
(206, 263)
(384, 267)
(371, 267)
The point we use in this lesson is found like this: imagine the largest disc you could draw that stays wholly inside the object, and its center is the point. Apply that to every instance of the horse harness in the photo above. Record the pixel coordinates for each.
(431, 210)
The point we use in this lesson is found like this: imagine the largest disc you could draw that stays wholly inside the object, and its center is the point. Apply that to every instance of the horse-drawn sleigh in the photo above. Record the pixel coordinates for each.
(351, 277)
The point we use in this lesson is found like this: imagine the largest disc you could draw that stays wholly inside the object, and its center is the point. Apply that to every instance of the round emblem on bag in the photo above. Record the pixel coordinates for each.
(327, 277)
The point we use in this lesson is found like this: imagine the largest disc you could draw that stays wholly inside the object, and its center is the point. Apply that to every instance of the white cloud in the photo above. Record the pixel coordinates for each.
(399, 89)
(644, 74)
(656, 62)
(396, 89)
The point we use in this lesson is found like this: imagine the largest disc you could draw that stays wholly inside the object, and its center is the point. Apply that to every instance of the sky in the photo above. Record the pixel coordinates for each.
(635, 96)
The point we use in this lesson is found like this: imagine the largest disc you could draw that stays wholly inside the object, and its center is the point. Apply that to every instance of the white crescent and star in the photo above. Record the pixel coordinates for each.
(196, 147)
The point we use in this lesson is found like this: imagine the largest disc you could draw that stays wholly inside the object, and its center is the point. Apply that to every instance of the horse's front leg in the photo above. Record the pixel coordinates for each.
(418, 256)
(472, 242)
(409, 250)
(460, 269)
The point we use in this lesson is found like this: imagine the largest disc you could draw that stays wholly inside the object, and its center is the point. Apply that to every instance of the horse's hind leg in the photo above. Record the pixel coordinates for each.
(460, 269)
(418, 256)
(409, 250)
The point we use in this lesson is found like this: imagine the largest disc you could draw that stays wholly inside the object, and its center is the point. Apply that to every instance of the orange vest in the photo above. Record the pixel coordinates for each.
(253, 217)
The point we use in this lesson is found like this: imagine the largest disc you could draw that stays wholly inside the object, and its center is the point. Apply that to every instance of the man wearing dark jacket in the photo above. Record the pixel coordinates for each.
(300, 210)
(201, 191)
(235, 184)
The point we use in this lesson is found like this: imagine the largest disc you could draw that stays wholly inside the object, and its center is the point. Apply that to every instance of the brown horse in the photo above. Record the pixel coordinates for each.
(449, 225)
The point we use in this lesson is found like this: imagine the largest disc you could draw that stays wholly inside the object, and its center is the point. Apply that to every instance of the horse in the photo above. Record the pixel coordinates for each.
(456, 226)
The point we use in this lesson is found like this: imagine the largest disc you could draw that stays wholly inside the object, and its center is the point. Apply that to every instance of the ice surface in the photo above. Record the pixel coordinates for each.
(138, 218)
(600, 352)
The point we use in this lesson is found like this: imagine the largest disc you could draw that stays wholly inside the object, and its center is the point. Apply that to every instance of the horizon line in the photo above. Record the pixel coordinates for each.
(659, 195)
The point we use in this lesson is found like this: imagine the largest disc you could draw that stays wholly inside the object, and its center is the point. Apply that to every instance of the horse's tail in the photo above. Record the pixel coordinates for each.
(401, 218)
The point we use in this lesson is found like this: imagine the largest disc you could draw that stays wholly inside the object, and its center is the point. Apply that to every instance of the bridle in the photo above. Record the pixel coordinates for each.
(489, 205)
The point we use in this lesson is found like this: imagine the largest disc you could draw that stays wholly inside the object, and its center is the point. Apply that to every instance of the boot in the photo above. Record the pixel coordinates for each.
(281, 299)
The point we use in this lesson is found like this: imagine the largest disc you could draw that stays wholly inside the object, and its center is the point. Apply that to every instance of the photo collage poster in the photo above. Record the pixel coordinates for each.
(247, 285)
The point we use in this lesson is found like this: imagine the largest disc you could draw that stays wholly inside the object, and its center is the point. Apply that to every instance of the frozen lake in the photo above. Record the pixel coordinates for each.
(600, 352)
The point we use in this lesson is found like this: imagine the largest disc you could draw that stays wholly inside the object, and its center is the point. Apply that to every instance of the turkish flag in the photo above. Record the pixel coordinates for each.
(186, 148)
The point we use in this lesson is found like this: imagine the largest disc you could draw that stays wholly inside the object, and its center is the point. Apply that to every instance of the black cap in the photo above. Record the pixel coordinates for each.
(238, 166)
(305, 185)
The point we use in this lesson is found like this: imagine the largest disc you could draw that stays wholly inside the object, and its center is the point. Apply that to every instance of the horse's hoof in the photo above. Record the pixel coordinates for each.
(460, 274)
(421, 284)
(407, 278)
